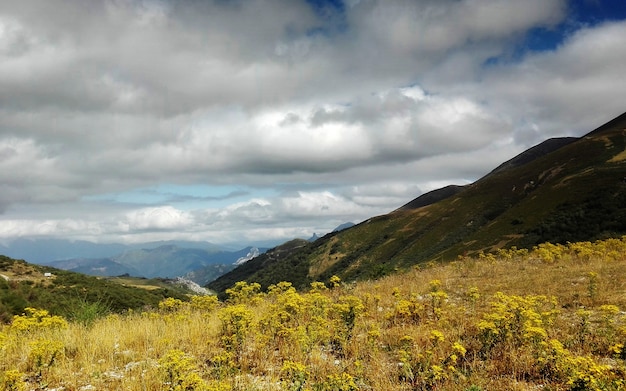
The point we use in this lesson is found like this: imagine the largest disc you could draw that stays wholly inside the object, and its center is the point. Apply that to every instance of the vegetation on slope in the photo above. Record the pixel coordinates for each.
(551, 318)
(71, 294)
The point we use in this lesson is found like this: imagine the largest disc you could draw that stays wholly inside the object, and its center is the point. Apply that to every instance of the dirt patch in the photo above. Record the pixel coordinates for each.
(620, 157)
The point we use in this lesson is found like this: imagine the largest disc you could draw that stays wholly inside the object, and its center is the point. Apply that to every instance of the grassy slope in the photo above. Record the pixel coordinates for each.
(550, 319)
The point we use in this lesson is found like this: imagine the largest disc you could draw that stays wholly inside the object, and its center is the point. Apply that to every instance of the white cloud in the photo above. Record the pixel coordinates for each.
(343, 116)
(159, 218)
(568, 91)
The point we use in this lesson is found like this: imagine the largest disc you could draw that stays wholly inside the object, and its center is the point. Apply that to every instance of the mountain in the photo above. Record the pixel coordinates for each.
(313, 237)
(340, 227)
(225, 262)
(44, 251)
(252, 253)
(95, 267)
(205, 275)
(343, 226)
(172, 261)
(165, 261)
(564, 189)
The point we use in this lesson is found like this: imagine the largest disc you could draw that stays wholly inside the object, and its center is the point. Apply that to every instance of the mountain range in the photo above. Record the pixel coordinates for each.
(165, 261)
(43, 250)
(198, 261)
(562, 190)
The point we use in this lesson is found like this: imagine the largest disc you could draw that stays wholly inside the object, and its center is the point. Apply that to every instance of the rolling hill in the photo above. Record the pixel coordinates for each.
(562, 190)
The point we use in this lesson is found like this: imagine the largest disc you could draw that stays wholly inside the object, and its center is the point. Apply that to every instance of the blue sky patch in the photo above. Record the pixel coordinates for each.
(183, 196)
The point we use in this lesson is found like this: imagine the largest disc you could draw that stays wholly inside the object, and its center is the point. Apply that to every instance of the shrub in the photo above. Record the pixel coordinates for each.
(180, 372)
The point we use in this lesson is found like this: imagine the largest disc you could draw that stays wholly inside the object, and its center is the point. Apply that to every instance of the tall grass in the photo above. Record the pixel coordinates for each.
(551, 318)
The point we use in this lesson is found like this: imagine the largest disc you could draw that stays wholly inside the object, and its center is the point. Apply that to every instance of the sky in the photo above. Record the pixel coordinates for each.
(240, 121)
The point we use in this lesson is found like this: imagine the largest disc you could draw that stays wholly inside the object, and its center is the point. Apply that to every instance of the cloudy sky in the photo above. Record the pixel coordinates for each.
(247, 120)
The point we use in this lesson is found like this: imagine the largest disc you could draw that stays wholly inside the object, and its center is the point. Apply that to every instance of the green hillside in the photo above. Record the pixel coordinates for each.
(74, 295)
(561, 190)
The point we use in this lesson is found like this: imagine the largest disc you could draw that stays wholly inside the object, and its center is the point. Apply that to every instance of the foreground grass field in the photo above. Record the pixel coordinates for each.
(551, 319)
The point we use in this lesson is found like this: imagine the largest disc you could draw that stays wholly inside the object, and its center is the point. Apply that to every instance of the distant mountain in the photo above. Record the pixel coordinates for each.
(205, 275)
(565, 189)
(252, 253)
(227, 262)
(40, 251)
(43, 251)
(95, 267)
(343, 226)
(165, 261)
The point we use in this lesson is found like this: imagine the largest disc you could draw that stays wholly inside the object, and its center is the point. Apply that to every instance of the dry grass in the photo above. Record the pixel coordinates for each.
(549, 319)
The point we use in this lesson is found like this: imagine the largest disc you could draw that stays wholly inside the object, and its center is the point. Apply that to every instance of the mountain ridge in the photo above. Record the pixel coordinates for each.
(432, 197)
(535, 152)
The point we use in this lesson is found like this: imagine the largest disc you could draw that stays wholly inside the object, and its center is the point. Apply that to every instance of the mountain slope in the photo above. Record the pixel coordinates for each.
(561, 190)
